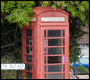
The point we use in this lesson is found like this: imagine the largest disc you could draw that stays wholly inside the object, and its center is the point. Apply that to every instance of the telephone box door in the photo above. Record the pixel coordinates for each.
(55, 52)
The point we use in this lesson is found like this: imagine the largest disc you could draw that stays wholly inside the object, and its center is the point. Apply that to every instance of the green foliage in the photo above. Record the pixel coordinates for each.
(19, 17)
(2, 6)
(54, 6)
(76, 8)
(7, 74)
(61, 4)
(17, 11)
(24, 76)
(1, 20)
(76, 33)
(83, 69)
(74, 51)
(46, 3)
(9, 6)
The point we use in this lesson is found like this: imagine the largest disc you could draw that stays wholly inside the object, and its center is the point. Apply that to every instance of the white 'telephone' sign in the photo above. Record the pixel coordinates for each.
(12, 66)
(52, 18)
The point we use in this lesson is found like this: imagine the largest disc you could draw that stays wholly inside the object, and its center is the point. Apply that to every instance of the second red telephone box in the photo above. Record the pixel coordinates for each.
(45, 44)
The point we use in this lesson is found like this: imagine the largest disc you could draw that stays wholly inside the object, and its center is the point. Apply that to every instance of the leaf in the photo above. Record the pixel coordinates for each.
(2, 6)
(61, 4)
(53, 6)
(1, 20)
(71, 2)
(46, 3)
(76, 2)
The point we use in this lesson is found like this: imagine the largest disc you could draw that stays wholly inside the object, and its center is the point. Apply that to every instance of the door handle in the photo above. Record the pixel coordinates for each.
(66, 59)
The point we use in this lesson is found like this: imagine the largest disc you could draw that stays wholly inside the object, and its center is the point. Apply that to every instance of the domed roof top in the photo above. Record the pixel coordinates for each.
(38, 10)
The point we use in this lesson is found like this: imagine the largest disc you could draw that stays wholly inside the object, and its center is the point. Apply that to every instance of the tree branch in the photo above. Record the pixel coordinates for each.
(15, 35)
(7, 45)
(13, 52)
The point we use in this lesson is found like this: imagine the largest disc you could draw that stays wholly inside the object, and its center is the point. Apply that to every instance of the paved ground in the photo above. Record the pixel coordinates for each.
(83, 76)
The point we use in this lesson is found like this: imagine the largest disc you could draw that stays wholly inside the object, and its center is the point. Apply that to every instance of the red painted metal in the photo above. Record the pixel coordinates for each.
(39, 10)
(38, 28)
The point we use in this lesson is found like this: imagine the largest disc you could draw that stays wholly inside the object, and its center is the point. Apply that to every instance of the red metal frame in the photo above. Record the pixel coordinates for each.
(66, 65)
(24, 48)
(38, 28)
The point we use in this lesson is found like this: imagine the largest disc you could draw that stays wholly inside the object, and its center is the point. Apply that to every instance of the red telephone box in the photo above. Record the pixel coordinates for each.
(45, 44)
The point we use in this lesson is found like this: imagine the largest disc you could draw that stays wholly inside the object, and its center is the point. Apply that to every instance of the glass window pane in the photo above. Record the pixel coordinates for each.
(54, 33)
(45, 60)
(28, 67)
(63, 75)
(45, 68)
(29, 33)
(29, 50)
(28, 41)
(45, 76)
(44, 42)
(54, 42)
(44, 33)
(54, 51)
(54, 59)
(29, 75)
(63, 33)
(55, 76)
(44, 51)
(29, 59)
(54, 68)
(63, 50)
(63, 67)
(63, 42)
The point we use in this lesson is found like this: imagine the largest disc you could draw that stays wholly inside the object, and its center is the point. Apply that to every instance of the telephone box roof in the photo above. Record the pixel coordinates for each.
(38, 10)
